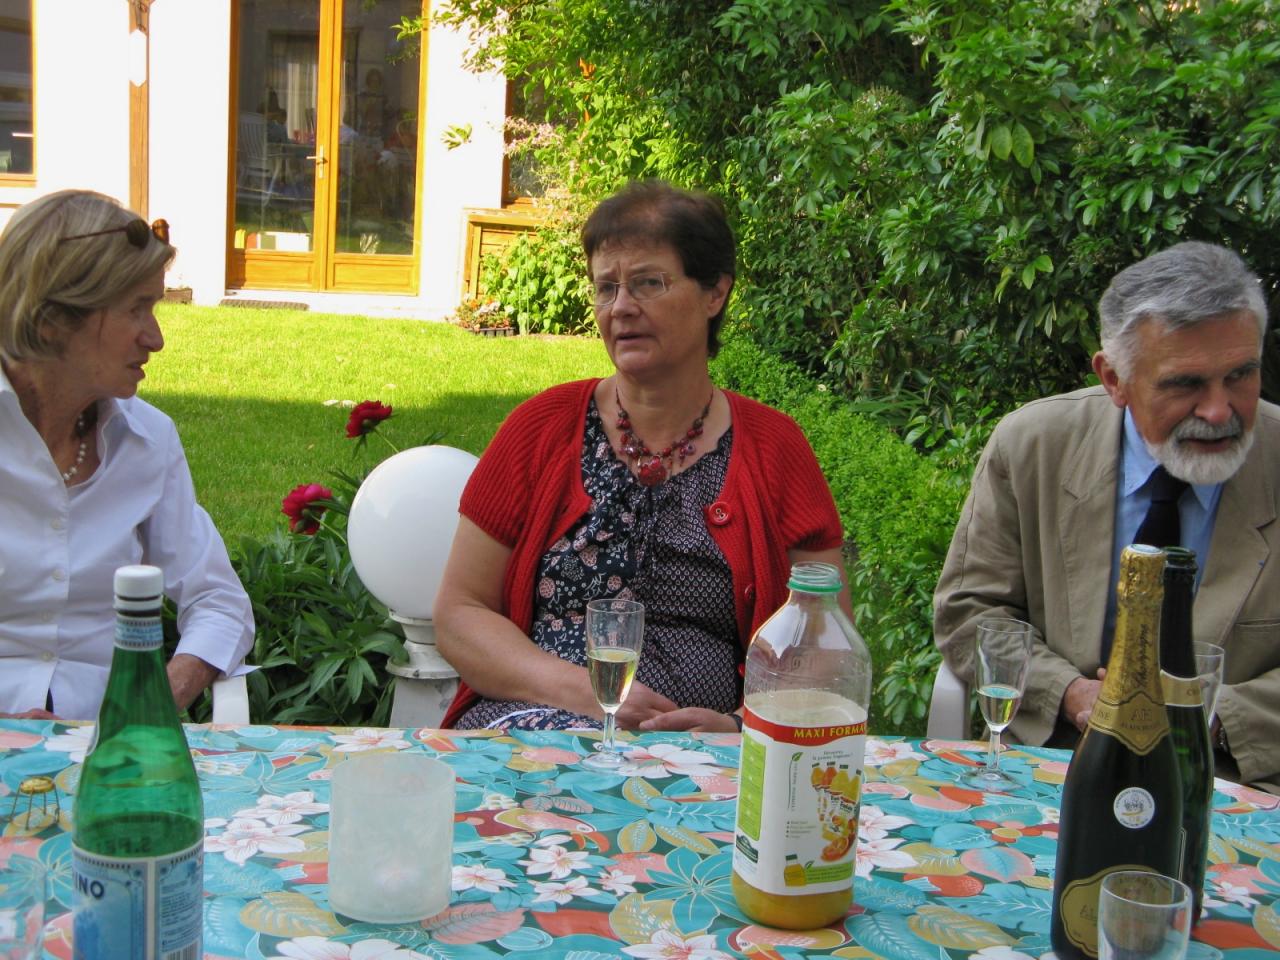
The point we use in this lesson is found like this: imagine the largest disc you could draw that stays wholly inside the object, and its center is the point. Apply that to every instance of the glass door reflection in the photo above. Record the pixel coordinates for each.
(378, 131)
(326, 146)
(277, 151)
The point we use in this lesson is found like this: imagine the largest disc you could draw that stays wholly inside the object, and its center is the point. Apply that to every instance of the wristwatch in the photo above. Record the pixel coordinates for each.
(1221, 742)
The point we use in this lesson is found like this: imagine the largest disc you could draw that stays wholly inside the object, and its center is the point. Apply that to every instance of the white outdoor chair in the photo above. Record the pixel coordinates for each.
(948, 706)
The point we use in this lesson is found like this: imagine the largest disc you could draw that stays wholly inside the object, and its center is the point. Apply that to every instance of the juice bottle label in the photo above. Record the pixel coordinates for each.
(144, 907)
(798, 796)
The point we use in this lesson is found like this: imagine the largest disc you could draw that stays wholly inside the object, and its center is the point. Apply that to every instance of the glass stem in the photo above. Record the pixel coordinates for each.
(993, 750)
(606, 742)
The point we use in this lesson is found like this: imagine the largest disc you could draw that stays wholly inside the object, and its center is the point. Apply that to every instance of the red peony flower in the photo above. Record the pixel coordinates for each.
(365, 418)
(301, 508)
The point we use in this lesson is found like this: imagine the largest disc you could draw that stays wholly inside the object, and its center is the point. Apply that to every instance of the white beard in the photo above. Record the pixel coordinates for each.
(1186, 463)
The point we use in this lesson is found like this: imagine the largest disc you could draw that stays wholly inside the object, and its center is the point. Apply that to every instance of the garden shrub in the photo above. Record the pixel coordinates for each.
(929, 198)
(322, 641)
(898, 510)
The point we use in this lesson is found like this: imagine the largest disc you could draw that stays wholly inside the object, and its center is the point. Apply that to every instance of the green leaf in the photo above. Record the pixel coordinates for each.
(1024, 148)
(1001, 142)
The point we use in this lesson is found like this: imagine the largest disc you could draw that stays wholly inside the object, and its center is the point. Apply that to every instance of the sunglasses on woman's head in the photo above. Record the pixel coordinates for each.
(137, 232)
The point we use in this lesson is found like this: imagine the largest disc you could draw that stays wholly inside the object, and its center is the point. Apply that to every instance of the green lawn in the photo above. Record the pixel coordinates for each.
(248, 387)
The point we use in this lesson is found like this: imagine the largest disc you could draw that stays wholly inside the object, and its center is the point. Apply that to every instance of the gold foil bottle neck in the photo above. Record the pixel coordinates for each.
(1141, 575)
(1131, 706)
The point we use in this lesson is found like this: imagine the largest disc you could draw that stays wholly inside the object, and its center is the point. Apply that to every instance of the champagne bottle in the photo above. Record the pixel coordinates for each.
(1122, 798)
(138, 841)
(1188, 724)
(804, 731)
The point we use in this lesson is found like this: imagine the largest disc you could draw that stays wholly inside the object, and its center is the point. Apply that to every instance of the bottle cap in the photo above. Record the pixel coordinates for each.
(1180, 558)
(814, 577)
(139, 582)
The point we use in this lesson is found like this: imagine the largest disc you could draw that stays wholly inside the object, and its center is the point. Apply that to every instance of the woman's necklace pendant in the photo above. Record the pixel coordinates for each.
(652, 472)
(651, 468)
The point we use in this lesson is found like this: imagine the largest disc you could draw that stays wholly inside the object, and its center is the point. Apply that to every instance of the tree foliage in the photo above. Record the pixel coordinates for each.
(930, 197)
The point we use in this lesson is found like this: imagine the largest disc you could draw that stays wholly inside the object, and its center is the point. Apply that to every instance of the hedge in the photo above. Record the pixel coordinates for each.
(898, 510)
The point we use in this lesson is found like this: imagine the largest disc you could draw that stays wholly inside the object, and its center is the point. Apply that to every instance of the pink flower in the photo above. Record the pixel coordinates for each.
(365, 418)
(563, 892)
(301, 508)
(666, 945)
(556, 861)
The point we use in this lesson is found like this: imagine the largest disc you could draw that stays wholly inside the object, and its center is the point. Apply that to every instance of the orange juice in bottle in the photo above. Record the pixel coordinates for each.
(807, 686)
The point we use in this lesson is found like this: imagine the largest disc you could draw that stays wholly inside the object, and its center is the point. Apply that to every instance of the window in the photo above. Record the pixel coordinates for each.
(17, 114)
(526, 130)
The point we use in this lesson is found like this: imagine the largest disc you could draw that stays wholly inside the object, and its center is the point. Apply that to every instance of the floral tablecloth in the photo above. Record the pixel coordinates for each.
(552, 860)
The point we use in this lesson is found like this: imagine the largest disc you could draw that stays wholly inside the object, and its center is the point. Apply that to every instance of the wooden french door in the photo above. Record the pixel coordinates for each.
(324, 146)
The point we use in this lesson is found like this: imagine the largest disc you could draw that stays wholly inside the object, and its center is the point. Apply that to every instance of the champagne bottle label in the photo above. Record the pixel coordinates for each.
(143, 907)
(1134, 808)
(1079, 906)
(800, 788)
(138, 633)
(1138, 721)
(1181, 691)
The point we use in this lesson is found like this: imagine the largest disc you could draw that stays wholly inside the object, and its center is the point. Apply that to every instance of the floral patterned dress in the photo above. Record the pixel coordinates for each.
(644, 543)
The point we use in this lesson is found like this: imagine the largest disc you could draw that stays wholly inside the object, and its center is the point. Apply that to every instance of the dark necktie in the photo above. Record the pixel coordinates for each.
(1160, 527)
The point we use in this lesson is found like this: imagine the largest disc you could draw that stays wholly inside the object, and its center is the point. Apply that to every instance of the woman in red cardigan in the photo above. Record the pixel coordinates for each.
(652, 484)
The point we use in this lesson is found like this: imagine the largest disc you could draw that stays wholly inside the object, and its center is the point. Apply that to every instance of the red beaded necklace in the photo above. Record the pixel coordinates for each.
(652, 467)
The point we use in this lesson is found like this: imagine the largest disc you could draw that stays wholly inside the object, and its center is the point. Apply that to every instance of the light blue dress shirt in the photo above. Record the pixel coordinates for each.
(1133, 497)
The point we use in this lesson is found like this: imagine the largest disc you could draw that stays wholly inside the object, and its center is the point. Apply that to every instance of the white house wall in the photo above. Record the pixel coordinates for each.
(467, 176)
(82, 129)
(189, 106)
(82, 121)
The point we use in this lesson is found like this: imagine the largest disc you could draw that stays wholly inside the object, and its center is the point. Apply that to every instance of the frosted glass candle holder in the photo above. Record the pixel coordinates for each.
(390, 837)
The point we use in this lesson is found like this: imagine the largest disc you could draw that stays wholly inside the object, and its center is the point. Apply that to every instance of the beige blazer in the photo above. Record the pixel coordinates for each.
(1034, 541)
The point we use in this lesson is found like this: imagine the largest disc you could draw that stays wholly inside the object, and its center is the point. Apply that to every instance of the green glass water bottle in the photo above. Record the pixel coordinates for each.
(138, 844)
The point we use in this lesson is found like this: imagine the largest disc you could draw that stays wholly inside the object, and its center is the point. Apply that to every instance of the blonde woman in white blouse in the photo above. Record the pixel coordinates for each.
(91, 477)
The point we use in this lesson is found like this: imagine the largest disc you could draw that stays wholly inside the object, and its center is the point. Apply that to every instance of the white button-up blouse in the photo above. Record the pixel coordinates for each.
(60, 547)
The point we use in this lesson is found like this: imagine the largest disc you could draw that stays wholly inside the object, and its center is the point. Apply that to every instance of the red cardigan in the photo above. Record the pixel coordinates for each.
(527, 491)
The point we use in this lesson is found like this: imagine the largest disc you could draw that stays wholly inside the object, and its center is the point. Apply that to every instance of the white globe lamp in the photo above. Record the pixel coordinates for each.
(399, 531)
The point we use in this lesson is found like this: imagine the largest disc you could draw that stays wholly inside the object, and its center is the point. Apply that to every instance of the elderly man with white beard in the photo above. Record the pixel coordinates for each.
(1174, 447)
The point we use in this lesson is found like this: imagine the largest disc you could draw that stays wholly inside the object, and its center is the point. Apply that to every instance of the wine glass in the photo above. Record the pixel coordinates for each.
(615, 633)
(1209, 659)
(1143, 916)
(1003, 648)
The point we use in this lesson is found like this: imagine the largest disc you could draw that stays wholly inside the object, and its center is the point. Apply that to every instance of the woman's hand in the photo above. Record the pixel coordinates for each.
(35, 713)
(642, 705)
(693, 720)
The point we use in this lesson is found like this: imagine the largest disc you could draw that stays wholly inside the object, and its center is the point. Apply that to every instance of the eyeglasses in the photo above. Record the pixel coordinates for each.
(641, 286)
(137, 232)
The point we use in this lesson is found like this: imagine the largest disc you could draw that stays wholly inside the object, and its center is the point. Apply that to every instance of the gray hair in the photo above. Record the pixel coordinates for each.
(49, 286)
(1179, 287)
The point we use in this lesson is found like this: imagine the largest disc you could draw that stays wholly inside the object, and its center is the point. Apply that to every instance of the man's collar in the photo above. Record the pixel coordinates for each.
(1137, 465)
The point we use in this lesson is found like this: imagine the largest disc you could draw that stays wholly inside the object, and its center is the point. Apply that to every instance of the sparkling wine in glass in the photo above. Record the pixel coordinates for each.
(1003, 654)
(1209, 660)
(615, 634)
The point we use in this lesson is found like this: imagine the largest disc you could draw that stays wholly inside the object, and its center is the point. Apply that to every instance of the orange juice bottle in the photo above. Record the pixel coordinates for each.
(807, 687)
